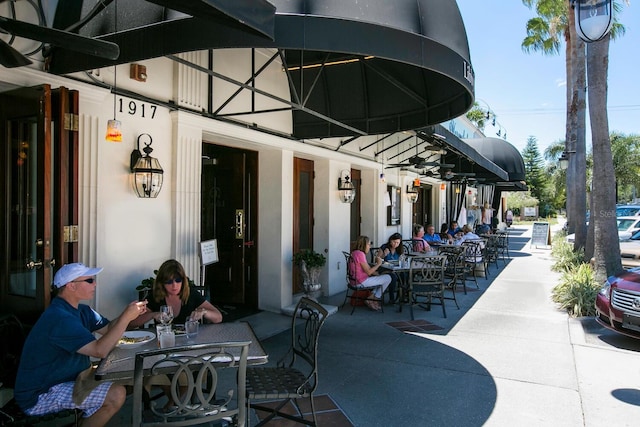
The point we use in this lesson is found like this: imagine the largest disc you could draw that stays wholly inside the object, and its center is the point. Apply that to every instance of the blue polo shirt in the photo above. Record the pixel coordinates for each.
(49, 355)
(432, 239)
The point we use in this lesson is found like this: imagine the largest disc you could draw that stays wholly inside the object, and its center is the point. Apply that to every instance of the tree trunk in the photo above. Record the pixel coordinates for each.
(603, 211)
(576, 134)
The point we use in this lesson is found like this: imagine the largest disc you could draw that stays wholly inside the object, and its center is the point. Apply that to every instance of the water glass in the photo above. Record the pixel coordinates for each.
(166, 314)
(191, 329)
(166, 336)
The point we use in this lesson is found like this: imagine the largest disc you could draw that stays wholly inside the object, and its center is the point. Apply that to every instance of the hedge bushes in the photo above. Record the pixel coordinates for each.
(577, 289)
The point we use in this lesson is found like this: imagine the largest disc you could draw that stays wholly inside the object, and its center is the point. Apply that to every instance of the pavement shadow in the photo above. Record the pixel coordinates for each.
(627, 395)
(379, 375)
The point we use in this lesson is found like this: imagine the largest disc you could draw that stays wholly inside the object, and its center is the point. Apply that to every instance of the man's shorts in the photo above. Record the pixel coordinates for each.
(60, 397)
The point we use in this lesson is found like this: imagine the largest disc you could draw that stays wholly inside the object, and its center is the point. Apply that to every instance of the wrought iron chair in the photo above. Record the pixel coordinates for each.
(426, 280)
(354, 292)
(289, 380)
(12, 335)
(194, 371)
(454, 271)
(503, 245)
(491, 250)
(475, 256)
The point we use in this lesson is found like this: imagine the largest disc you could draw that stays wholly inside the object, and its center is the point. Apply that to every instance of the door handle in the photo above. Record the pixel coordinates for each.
(33, 265)
(239, 224)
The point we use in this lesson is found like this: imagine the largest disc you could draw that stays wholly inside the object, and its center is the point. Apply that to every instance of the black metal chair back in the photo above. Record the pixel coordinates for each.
(194, 371)
(474, 257)
(427, 281)
(291, 380)
(454, 272)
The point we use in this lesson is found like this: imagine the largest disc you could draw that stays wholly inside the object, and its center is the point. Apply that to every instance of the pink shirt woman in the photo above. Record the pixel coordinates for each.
(367, 275)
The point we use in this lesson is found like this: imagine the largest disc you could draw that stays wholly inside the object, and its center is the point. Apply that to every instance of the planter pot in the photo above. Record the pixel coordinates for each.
(312, 287)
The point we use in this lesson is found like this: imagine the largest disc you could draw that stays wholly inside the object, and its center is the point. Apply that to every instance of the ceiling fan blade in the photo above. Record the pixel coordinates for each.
(11, 58)
(71, 41)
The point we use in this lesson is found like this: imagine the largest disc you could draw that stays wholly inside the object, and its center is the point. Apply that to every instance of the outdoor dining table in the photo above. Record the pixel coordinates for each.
(119, 363)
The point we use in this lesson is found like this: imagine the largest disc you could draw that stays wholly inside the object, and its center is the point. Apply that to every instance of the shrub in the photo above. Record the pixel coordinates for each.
(577, 291)
(566, 258)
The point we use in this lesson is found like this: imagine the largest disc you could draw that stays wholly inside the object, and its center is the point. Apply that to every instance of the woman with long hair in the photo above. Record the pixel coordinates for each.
(367, 275)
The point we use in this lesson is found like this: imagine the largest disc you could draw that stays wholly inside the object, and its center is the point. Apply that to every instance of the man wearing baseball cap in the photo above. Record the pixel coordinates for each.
(60, 344)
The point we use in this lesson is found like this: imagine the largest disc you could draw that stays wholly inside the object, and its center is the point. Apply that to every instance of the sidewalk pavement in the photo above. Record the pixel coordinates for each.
(507, 357)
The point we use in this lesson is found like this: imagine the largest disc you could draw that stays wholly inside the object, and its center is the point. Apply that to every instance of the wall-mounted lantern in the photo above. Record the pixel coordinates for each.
(146, 170)
(346, 187)
(412, 191)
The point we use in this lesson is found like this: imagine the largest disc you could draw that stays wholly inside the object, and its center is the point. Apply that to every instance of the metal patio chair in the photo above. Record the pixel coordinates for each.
(454, 271)
(503, 245)
(194, 371)
(427, 281)
(474, 256)
(354, 292)
(296, 374)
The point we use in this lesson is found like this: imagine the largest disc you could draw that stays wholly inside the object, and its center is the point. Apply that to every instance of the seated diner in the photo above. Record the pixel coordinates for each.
(367, 275)
(419, 243)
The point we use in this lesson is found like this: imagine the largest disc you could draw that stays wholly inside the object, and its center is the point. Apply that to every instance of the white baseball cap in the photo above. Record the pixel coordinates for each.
(70, 272)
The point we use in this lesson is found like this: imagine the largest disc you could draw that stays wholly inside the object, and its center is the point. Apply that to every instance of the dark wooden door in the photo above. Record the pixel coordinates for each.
(39, 202)
(229, 215)
(303, 221)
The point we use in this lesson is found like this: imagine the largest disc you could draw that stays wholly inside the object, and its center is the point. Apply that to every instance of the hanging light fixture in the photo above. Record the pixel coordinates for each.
(594, 18)
(346, 188)
(146, 170)
(114, 131)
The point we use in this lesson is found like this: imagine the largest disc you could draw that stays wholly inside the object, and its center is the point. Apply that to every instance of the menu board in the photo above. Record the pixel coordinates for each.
(541, 234)
(209, 251)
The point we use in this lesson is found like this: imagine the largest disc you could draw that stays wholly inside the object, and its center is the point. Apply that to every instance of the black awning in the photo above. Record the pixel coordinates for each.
(375, 66)
(505, 155)
(465, 158)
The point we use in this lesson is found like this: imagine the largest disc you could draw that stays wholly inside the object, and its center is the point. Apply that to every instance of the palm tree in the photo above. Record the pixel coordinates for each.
(554, 20)
(607, 252)
(542, 34)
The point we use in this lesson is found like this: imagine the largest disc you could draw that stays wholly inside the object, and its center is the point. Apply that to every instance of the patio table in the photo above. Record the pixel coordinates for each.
(119, 363)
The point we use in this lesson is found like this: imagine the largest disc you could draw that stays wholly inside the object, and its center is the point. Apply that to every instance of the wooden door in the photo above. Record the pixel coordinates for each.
(303, 221)
(39, 155)
(229, 215)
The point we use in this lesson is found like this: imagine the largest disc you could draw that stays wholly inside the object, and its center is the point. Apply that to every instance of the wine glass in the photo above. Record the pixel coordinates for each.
(166, 314)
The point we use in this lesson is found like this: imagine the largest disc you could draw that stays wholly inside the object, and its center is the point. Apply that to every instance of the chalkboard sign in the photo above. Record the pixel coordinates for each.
(209, 251)
(541, 234)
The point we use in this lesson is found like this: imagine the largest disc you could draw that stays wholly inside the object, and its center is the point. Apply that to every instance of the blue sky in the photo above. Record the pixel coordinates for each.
(527, 92)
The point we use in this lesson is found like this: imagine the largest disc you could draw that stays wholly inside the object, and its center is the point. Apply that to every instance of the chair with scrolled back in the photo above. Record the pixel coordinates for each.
(427, 281)
(296, 374)
(355, 293)
(503, 245)
(195, 371)
(454, 271)
(474, 257)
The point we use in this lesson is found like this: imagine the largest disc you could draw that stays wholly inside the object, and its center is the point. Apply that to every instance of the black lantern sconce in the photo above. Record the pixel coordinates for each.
(146, 170)
(593, 18)
(346, 188)
(412, 191)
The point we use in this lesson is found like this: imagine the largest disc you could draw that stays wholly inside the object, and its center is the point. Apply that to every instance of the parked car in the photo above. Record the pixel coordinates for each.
(618, 303)
(627, 210)
(630, 251)
(627, 226)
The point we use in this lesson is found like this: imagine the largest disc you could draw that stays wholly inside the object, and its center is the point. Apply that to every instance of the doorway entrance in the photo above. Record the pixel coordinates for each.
(39, 213)
(229, 196)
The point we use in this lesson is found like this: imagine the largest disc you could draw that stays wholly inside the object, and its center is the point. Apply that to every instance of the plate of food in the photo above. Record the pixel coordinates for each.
(135, 338)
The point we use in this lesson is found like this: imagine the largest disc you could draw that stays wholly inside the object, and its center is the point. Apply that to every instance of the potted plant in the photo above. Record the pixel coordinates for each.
(310, 263)
(145, 287)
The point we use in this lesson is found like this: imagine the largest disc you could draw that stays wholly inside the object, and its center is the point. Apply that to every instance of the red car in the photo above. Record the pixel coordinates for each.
(618, 303)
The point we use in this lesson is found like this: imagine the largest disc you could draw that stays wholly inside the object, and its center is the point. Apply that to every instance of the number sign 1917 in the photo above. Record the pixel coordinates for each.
(141, 109)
